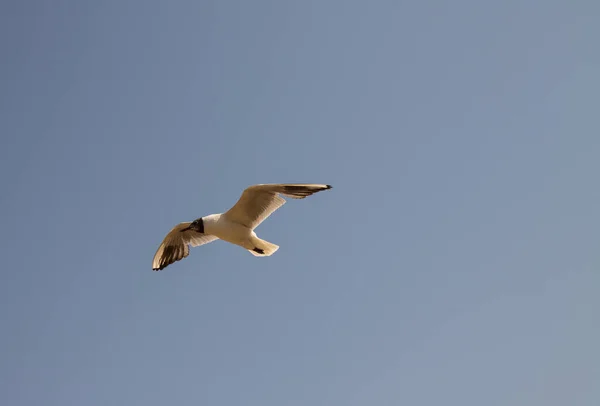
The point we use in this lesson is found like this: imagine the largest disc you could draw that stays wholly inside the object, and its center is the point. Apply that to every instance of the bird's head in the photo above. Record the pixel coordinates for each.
(196, 225)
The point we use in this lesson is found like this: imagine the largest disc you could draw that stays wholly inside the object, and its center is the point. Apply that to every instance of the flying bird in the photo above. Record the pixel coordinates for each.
(235, 226)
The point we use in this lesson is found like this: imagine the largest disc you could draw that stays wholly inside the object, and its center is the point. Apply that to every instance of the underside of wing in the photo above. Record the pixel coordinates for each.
(175, 245)
(197, 239)
(298, 190)
(259, 201)
(168, 254)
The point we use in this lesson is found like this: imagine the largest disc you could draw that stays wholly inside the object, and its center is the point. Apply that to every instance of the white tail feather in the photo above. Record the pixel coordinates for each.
(267, 248)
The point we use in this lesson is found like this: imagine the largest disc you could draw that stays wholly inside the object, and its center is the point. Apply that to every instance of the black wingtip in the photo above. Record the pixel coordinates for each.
(327, 187)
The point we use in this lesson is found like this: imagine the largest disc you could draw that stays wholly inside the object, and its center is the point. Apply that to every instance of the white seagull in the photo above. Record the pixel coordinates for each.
(235, 226)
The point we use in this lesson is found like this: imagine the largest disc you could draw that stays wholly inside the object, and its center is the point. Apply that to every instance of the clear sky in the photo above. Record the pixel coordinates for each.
(455, 262)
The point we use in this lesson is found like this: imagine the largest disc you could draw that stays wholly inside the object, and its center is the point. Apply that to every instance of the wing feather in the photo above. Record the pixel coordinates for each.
(259, 201)
(175, 245)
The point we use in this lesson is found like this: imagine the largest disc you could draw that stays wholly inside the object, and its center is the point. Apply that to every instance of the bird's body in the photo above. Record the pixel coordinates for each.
(235, 226)
(234, 233)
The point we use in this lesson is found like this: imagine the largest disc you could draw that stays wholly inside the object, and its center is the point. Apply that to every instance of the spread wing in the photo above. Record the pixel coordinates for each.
(259, 201)
(176, 244)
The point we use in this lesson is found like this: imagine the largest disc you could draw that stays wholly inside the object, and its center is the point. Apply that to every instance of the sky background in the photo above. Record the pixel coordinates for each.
(455, 261)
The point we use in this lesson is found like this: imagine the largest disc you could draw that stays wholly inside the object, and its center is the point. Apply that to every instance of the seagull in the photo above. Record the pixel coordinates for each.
(235, 226)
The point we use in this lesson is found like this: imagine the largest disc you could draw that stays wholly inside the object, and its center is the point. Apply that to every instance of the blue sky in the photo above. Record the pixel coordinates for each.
(455, 261)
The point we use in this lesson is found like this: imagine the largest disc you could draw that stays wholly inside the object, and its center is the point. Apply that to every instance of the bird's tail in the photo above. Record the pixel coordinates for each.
(263, 248)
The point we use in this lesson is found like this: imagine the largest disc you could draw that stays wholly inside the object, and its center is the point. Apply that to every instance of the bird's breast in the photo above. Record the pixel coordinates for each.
(231, 232)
